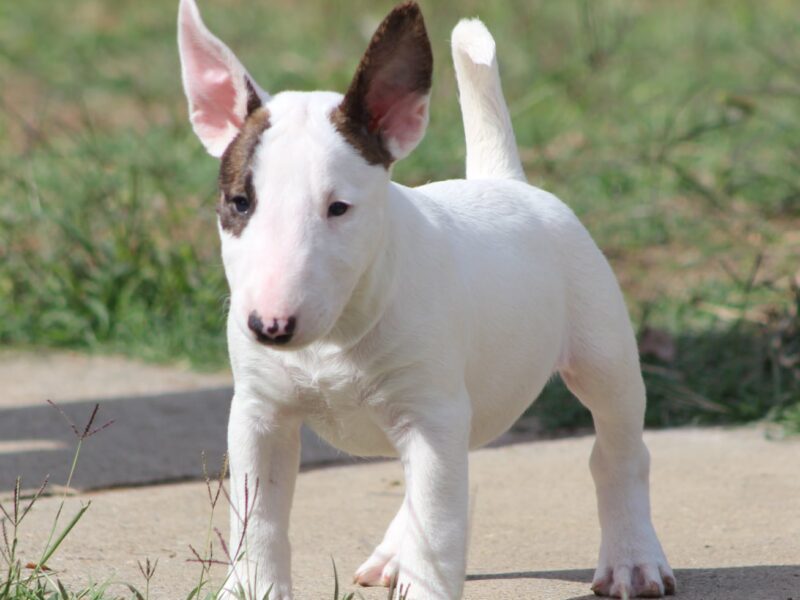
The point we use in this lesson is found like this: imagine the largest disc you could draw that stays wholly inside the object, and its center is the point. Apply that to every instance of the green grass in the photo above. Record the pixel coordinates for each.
(672, 129)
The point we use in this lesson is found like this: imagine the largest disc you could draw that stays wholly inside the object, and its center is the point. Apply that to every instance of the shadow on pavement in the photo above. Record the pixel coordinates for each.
(154, 439)
(757, 582)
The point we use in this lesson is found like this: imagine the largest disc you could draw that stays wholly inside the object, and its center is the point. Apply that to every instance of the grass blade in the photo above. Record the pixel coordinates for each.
(64, 533)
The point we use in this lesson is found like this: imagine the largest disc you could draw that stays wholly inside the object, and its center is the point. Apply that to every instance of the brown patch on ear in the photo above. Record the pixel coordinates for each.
(398, 60)
(253, 100)
(369, 146)
(235, 176)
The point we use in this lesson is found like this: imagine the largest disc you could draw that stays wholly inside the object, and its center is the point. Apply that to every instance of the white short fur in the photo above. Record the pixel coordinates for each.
(428, 321)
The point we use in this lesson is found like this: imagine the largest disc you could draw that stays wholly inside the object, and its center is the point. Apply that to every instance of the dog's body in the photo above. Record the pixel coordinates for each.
(422, 324)
(475, 244)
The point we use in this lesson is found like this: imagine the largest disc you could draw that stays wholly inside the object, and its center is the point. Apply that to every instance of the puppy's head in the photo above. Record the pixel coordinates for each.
(304, 175)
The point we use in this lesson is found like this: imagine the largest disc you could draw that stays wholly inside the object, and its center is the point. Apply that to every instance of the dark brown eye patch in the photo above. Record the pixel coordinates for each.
(237, 205)
(238, 199)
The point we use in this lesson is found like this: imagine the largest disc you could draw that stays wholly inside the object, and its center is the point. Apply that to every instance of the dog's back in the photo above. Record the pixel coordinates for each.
(506, 272)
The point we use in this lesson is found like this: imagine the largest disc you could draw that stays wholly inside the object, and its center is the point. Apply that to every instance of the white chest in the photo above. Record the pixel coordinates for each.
(339, 401)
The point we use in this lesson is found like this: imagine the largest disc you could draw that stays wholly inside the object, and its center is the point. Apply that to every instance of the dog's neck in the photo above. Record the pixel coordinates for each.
(375, 288)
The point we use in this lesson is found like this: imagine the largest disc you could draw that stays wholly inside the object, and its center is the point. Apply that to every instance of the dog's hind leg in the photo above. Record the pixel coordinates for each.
(491, 147)
(603, 372)
(380, 568)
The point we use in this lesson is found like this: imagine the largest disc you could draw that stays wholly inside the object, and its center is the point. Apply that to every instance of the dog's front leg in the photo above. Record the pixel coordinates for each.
(433, 448)
(264, 454)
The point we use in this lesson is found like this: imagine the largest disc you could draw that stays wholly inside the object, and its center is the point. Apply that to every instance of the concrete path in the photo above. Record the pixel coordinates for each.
(726, 503)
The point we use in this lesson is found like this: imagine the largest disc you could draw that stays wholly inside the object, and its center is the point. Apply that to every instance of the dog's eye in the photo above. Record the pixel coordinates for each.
(241, 203)
(337, 209)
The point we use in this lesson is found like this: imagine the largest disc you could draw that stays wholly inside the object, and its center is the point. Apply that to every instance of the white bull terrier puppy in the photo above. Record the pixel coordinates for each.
(411, 322)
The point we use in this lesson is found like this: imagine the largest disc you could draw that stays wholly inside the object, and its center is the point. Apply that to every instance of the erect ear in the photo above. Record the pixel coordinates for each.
(385, 111)
(220, 92)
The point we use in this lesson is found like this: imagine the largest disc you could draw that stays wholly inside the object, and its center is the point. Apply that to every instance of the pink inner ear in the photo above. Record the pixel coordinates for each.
(214, 82)
(211, 87)
(380, 100)
(403, 121)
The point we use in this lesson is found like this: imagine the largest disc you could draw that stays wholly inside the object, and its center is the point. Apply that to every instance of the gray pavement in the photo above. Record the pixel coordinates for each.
(726, 502)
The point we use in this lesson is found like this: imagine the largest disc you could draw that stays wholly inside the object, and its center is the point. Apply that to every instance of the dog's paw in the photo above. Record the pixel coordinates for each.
(647, 580)
(380, 569)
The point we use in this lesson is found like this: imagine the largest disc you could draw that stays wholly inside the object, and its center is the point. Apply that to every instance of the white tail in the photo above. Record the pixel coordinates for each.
(491, 147)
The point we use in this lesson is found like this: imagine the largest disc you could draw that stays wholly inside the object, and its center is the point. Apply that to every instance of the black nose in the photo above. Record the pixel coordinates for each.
(279, 332)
